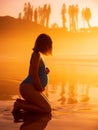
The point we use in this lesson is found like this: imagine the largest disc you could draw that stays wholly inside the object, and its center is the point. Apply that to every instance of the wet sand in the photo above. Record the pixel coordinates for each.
(80, 116)
(81, 113)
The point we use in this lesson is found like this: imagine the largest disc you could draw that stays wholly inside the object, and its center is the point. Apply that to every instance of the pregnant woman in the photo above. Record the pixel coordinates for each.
(32, 87)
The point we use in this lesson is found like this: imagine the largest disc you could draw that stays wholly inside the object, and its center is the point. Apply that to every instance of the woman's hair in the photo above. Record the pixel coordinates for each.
(43, 43)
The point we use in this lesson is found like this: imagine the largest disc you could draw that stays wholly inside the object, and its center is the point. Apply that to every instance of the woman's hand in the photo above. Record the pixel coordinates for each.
(40, 89)
(47, 70)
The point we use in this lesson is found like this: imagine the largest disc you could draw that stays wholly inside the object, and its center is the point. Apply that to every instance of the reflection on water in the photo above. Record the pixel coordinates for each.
(36, 124)
(62, 98)
(70, 94)
(71, 81)
(31, 120)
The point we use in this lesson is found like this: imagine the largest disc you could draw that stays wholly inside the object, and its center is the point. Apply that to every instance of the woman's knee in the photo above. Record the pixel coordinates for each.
(49, 109)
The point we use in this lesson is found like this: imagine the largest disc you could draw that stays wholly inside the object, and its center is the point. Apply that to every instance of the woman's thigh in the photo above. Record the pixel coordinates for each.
(30, 94)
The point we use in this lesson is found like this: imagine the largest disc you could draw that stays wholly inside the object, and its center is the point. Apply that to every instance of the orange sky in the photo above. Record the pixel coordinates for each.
(13, 7)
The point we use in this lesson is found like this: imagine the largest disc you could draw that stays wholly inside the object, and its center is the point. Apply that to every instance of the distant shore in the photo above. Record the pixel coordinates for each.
(16, 23)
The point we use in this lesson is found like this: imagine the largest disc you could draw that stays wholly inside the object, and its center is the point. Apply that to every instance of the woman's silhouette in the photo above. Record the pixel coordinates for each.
(32, 87)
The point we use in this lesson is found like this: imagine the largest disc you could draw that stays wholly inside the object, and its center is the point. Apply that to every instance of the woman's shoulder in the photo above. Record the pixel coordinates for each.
(35, 56)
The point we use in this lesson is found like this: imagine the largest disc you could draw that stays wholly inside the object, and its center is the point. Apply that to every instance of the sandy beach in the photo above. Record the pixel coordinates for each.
(79, 116)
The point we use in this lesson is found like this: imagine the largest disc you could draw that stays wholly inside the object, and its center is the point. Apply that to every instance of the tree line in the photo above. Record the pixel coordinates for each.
(41, 15)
